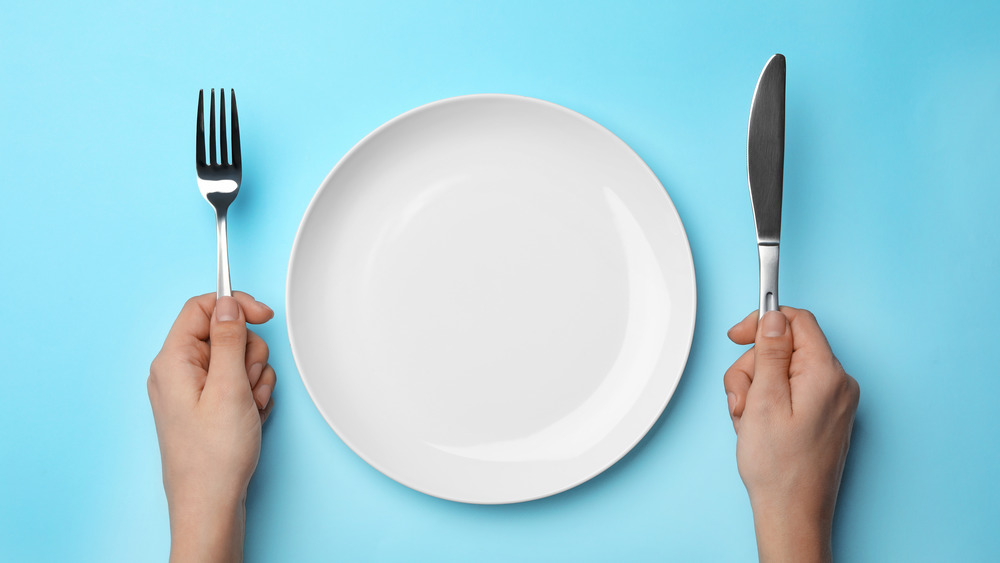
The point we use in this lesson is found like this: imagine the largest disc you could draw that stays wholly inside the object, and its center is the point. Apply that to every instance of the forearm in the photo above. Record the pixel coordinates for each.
(207, 531)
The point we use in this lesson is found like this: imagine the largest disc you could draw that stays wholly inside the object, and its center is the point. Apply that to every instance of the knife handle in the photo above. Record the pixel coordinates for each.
(768, 253)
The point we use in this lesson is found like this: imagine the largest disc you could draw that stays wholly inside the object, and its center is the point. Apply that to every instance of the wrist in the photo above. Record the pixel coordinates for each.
(206, 527)
(786, 532)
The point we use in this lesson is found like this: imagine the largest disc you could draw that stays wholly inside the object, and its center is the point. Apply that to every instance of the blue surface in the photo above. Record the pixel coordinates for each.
(890, 235)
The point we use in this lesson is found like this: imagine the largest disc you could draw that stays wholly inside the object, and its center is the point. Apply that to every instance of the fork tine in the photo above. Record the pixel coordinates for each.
(211, 130)
(222, 126)
(237, 160)
(199, 142)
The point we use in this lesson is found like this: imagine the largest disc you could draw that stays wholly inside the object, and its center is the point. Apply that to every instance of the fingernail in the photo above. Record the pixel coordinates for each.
(732, 402)
(773, 324)
(254, 374)
(262, 395)
(226, 309)
(270, 310)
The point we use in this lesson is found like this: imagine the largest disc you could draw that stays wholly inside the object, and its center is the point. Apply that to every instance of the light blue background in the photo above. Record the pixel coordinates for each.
(890, 235)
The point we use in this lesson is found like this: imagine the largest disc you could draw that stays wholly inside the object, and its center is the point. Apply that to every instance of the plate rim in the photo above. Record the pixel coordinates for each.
(687, 254)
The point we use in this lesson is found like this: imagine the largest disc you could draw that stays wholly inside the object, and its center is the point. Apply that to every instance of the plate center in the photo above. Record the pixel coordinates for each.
(493, 307)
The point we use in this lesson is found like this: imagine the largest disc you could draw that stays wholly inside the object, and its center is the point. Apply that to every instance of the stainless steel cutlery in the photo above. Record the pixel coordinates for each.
(219, 177)
(765, 169)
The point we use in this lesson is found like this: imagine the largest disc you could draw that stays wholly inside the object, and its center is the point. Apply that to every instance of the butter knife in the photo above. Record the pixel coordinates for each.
(765, 168)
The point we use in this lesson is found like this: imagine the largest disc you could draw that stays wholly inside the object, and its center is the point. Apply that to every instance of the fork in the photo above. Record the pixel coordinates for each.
(219, 182)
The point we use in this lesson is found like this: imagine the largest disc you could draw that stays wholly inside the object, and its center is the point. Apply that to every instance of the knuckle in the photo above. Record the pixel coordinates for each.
(155, 367)
(807, 315)
(153, 390)
(257, 351)
(774, 354)
(228, 335)
(844, 386)
(854, 389)
(761, 408)
(839, 386)
(729, 378)
(270, 375)
(195, 352)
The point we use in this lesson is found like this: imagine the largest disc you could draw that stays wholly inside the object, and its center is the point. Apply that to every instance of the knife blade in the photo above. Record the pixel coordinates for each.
(765, 170)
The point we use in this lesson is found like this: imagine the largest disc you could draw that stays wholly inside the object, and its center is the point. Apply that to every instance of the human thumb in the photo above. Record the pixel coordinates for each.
(228, 339)
(772, 357)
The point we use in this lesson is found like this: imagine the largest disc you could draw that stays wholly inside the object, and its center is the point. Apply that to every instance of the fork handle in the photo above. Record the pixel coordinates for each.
(768, 277)
(224, 289)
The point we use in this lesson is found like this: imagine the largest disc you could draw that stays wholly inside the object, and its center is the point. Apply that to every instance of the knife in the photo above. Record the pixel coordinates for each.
(765, 168)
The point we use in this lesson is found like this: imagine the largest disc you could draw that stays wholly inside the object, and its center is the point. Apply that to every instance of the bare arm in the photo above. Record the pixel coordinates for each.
(210, 389)
(792, 406)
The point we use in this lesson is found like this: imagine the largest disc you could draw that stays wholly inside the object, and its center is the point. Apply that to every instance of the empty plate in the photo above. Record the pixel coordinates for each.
(491, 299)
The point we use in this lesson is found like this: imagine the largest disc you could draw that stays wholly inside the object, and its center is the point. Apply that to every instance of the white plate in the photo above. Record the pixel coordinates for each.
(491, 299)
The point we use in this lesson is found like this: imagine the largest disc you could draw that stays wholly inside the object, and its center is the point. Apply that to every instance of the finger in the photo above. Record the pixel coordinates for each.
(802, 320)
(253, 373)
(805, 328)
(227, 367)
(266, 412)
(256, 356)
(772, 357)
(192, 323)
(265, 386)
(737, 382)
(195, 318)
(256, 312)
(174, 378)
(744, 331)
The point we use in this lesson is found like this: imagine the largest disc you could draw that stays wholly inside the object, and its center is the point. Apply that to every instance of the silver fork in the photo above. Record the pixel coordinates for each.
(219, 182)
